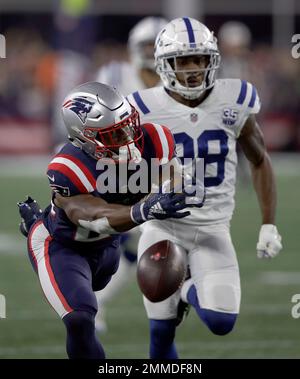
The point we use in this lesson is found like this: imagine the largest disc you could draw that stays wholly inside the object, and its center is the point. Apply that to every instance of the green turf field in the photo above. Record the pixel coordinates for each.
(265, 328)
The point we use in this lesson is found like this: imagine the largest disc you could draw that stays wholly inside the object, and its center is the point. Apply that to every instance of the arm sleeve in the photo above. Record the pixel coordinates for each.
(162, 140)
(67, 178)
(61, 184)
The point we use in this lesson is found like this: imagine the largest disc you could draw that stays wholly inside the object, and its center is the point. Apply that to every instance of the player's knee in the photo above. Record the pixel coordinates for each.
(79, 323)
(219, 323)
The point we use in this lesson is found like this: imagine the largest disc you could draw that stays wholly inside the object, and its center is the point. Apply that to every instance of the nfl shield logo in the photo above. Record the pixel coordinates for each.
(194, 117)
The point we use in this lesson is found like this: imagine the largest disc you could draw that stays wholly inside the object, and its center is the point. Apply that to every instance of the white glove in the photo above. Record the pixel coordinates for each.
(269, 242)
(100, 226)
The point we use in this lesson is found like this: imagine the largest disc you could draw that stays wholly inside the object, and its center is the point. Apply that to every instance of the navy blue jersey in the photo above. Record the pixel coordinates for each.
(73, 172)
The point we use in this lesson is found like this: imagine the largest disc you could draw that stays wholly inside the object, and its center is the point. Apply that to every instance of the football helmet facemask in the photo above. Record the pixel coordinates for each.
(184, 37)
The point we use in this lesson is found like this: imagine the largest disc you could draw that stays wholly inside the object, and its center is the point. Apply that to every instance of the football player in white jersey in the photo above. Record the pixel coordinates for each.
(207, 117)
(128, 77)
(140, 72)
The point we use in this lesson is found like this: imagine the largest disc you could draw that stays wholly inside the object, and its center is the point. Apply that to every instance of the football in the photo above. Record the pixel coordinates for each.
(161, 270)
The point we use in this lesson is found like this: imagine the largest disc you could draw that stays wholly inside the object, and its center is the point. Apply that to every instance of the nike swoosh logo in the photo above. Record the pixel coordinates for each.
(51, 178)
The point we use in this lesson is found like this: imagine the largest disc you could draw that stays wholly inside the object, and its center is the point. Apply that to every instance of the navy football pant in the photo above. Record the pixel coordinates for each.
(69, 279)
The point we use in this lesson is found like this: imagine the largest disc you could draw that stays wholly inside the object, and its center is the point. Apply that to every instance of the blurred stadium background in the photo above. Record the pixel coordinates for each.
(53, 45)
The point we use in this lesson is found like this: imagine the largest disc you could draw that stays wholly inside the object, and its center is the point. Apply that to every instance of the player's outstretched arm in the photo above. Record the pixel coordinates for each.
(89, 208)
(96, 214)
(252, 143)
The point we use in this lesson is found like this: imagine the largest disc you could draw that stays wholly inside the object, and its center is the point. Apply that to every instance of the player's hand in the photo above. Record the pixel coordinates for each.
(30, 211)
(269, 242)
(159, 206)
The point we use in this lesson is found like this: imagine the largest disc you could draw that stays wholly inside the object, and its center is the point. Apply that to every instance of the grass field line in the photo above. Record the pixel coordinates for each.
(30, 166)
(34, 315)
(286, 164)
(12, 244)
(36, 349)
(267, 309)
(257, 309)
(245, 344)
(15, 244)
(120, 348)
(280, 277)
(30, 315)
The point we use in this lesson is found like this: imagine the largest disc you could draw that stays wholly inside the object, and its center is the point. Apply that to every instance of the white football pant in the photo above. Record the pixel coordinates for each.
(212, 261)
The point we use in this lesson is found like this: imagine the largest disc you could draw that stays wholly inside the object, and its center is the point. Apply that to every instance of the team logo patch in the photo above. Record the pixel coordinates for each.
(79, 105)
(194, 117)
(229, 116)
(63, 191)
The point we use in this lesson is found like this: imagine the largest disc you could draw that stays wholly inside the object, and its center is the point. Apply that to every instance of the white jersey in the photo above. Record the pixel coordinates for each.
(207, 131)
(122, 75)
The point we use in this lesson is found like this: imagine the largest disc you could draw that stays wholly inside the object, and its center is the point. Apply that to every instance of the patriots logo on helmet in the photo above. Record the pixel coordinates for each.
(79, 105)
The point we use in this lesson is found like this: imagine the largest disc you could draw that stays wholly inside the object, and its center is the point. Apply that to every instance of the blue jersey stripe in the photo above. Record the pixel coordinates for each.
(140, 103)
(253, 97)
(190, 31)
(243, 92)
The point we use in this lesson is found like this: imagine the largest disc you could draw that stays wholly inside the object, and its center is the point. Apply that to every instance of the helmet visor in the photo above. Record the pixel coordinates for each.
(113, 137)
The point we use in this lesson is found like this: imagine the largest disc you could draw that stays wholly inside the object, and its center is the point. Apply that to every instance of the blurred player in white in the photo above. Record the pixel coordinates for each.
(207, 117)
(128, 77)
(140, 72)
(234, 40)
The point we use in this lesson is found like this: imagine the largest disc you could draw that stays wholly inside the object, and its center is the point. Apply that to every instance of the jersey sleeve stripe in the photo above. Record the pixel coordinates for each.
(243, 92)
(73, 172)
(155, 138)
(171, 142)
(253, 97)
(61, 168)
(165, 139)
(190, 31)
(143, 107)
(82, 167)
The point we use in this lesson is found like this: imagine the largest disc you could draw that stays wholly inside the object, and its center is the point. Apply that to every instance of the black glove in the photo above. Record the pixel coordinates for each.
(30, 211)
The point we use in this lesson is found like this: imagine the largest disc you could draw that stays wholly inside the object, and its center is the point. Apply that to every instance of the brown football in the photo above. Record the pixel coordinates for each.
(161, 270)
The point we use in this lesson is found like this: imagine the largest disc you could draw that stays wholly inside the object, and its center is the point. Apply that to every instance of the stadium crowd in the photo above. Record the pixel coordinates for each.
(30, 74)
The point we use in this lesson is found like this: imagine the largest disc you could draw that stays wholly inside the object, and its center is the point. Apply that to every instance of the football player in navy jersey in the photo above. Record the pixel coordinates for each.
(141, 71)
(73, 244)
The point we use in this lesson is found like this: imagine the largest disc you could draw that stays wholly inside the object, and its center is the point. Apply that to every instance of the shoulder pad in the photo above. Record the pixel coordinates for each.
(240, 93)
(161, 138)
(69, 176)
